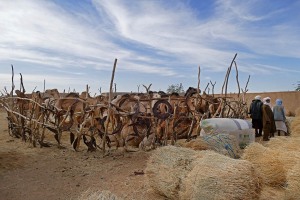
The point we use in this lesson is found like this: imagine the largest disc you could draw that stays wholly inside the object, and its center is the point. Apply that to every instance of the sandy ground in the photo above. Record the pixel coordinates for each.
(53, 173)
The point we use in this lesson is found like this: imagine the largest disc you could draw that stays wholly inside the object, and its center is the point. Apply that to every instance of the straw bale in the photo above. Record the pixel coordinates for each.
(98, 195)
(284, 143)
(295, 127)
(272, 193)
(216, 176)
(288, 148)
(167, 167)
(293, 183)
(268, 162)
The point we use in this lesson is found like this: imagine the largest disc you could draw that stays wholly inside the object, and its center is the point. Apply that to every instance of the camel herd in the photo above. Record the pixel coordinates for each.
(142, 120)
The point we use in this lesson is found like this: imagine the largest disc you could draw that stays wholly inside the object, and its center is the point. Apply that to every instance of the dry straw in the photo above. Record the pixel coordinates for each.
(216, 176)
(181, 173)
(284, 143)
(197, 144)
(288, 149)
(271, 193)
(167, 167)
(293, 183)
(295, 124)
(98, 195)
(268, 162)
(295, 127)
(222, 143)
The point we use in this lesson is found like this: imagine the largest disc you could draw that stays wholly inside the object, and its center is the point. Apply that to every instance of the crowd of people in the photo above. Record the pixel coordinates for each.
(267, 120)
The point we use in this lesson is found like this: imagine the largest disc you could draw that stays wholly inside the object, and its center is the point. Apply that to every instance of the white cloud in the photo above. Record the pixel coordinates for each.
(152, 37)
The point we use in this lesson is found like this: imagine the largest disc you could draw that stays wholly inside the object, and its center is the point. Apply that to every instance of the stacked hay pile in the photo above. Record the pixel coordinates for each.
(288, 149)
(180, 173)
(222, 143)
(278, 161)
(267, 162)
(167, 167)
(216, 176)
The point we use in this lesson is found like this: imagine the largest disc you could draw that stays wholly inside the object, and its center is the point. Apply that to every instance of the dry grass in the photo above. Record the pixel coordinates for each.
(268, 162)
(98, 195)
(197, 144)
(167, 167)
(293, 183)
(295, 127)
(284, 143)
(222, 143)
(271, 193)
(216, 176)
(288, 149)
(181, 173)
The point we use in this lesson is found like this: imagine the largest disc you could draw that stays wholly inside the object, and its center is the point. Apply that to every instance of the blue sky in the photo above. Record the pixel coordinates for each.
(70, 43)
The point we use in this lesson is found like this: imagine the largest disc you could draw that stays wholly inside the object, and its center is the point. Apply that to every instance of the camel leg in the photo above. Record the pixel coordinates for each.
(59, 134)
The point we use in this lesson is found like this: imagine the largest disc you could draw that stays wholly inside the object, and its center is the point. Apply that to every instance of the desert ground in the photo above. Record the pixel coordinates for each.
(31, 173)
(52, 173)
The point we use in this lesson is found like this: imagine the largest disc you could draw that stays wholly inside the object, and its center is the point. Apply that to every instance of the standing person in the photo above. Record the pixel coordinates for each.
(279, 117)
(255, 112)
(269, 127)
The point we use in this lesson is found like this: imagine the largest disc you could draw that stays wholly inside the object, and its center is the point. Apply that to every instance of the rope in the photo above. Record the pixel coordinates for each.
(220, 142)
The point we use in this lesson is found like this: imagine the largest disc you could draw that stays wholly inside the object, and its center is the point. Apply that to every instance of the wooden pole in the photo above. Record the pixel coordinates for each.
(12, 87)
(109, 105)
(44, 87)
(87, 91)
(227, 76)
(237, 79)
(198, 86)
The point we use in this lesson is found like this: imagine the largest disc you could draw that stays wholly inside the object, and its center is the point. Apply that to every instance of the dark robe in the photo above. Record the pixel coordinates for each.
(269, 127)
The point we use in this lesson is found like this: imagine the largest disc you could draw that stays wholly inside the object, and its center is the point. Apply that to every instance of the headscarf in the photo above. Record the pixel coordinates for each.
(265, 101)
(278, 102)
(257, 97)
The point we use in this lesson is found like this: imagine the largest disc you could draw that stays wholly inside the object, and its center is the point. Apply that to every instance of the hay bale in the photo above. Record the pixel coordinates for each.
(284, 143)
(268, 162)
(167, 167)
(288, 148)
(216, 176)
(272, 193)
(295, 127)
(98, 195)
(293, 183)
